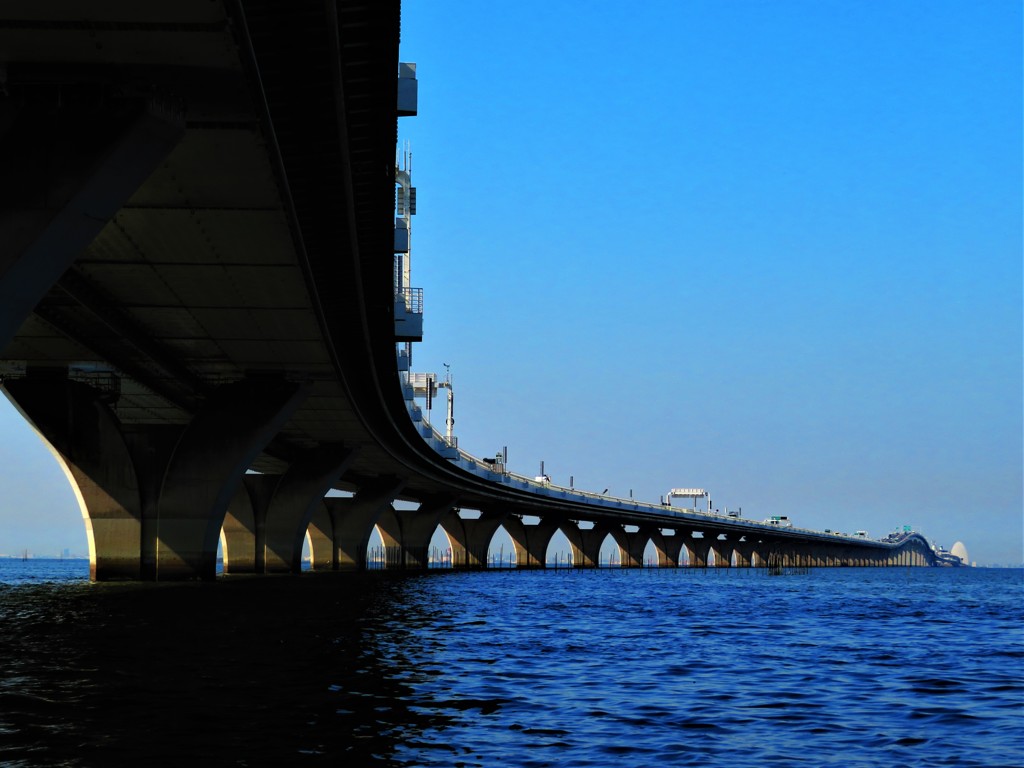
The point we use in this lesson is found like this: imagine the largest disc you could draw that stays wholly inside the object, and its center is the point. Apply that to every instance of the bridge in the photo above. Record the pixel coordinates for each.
(202, 314)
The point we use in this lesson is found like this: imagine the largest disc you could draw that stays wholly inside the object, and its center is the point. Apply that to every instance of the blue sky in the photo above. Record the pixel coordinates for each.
(768, 248)
(771, 249)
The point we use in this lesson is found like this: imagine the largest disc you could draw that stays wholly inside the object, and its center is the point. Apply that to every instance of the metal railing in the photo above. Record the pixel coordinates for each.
(412, 298)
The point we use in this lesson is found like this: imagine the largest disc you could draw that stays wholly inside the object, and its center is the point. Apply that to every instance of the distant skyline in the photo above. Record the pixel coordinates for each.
(770, 249)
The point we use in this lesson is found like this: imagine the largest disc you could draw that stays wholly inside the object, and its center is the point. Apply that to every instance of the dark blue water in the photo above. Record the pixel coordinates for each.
(850, 667)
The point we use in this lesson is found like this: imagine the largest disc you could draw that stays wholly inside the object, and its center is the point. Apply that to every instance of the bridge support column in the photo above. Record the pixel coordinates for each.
(390, 538)
(412, 530)
(321, 538)
(154, 497)
(697, 552)
(636, 544)
(531, 541)
(586, 544)
(85, 437)
(295, 497)
(267, 520)
(244, 531)
(455, 529)
(669, 548)
(723, 552)
(207, 467)
(744, 553)
(353, 519)
(774, 554)
(69, 166)
(470, 537)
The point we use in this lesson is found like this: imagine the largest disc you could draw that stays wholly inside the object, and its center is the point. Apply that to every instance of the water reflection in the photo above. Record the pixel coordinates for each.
(243, 672)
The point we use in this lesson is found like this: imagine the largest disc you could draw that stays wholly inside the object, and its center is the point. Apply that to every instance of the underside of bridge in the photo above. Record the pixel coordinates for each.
(196, 285)
(193, 184)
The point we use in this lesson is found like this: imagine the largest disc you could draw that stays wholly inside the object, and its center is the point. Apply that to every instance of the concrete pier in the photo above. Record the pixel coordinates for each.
(154, 497)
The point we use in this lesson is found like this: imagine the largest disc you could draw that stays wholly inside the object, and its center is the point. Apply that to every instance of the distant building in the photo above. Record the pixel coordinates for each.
(959, 550)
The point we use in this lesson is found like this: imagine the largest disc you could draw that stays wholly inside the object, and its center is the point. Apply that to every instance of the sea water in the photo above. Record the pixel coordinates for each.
(845, 667)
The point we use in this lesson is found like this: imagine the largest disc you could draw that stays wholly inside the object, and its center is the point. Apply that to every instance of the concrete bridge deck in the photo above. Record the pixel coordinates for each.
(196, 281)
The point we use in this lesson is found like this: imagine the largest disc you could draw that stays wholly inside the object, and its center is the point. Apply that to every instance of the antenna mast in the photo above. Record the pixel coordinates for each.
(450, 421)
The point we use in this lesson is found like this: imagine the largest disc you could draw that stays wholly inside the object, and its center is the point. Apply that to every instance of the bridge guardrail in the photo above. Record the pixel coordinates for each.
(451, 451)
(413, 299)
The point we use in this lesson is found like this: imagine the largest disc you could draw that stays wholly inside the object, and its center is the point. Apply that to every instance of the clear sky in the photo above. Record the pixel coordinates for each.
(772, 249)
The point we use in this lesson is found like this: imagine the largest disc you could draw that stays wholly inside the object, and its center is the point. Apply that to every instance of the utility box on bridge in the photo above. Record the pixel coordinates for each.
(401, 236)
(409, 314)
(408, 90)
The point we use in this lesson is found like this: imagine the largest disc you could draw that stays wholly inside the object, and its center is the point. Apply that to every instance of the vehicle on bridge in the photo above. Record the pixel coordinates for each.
(779, 521)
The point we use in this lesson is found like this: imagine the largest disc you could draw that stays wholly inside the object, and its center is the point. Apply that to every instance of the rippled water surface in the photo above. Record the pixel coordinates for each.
(850, 667)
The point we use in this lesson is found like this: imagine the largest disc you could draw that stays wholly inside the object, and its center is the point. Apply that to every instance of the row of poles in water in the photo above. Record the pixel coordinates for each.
(392, 558)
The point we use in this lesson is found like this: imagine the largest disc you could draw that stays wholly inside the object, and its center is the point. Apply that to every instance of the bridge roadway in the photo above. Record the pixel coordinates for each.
(196, 281)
